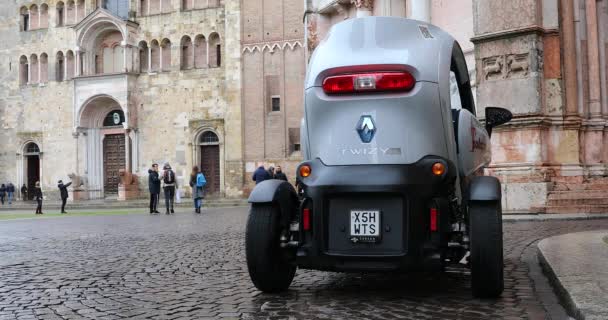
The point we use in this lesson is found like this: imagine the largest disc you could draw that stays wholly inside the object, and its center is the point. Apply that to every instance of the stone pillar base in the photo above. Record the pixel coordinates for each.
(128, 192)
(78, 195)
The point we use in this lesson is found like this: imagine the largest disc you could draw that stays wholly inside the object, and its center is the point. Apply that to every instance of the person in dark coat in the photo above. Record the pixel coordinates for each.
(260, 174)
(24, 193)
(38, 197)
(154, 186)
(169, 187)
(271, 173)
(63, 190)
(10, 191)
(279, 174)
(2, 193)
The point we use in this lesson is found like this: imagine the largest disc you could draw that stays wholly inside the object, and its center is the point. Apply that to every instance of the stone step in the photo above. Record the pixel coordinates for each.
(95, 204)
(577, 209)
(578, 194)
(578, 202)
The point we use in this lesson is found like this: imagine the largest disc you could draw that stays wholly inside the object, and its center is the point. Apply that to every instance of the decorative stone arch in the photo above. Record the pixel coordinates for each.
(24, 21)
(207, 154)
(92, 111)
(165, 55)
(59, 66)
(34, 69)
(214, 50)
(200, 51)
(44, 68)
(60, 14)
(24, 71)
(34, 17)
(44, 16)
(186, 53)
(154, 56)
(144, 56)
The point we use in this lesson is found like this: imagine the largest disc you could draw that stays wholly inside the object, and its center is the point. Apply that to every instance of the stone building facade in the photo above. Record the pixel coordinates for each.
(99, 89)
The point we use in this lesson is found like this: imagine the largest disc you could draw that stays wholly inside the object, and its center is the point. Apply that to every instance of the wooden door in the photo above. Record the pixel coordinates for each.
(33, 175)
(210, 166)
(113, 161)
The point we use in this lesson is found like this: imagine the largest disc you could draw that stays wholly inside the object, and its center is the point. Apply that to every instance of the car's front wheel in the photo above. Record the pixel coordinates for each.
(485, 222)
(268, 268)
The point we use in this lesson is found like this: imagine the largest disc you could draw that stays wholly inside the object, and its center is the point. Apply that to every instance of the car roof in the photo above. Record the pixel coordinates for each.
(383, 40)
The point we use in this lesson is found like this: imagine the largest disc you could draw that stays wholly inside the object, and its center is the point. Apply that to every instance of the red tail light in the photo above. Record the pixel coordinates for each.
(401, 81)
(306, 219)
(433, 224)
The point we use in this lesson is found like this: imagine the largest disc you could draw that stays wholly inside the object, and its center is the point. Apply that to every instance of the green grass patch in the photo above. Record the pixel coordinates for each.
(12, 216)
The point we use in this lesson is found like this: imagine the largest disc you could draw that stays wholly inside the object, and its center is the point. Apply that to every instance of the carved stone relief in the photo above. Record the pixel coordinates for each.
(518, 65)
(492, 67)
(508, 66)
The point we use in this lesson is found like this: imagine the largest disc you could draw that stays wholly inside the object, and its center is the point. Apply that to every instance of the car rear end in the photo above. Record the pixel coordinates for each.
(378, 173)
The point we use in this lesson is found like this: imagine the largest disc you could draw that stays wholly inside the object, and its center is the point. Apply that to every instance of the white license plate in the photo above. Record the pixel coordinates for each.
(365, 223)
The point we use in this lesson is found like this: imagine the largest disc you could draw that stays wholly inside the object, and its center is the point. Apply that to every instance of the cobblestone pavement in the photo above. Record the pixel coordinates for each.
(193, 267)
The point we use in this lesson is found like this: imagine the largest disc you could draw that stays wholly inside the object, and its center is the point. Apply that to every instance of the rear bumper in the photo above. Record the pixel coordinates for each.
(402, 194)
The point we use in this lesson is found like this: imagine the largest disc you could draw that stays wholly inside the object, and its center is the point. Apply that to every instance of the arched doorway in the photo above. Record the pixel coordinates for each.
(114, 155)
(31, 155)
(209, 146)
(106, 142)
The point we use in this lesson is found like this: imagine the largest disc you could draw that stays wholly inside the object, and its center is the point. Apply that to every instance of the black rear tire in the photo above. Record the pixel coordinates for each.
(485, 223)
(268, 268)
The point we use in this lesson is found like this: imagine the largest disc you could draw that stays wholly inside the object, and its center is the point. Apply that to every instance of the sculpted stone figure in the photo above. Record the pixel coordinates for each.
(78, 182)
(127, 178)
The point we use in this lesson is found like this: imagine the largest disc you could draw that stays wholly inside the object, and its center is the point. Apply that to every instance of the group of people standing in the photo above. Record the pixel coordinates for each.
(8, 192)
(261, 174)
(169, 186)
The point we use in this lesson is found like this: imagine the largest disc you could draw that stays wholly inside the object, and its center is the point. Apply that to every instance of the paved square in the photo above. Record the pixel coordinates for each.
(188, 266)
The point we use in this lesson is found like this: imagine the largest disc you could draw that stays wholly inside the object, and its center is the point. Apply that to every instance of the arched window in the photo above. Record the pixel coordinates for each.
(59, 66)
(44, 15)
(200, 52)
(208, 137)
(114, 118)
(31, 149)
(69, 13)
(25, 18)
(215, 51)
(44, 68)
(80, 10)
(143, 56)
(155, 50)
(165, 48)
(34, 71)
(69, 60)
(187, 59)
(34, 21)
(23, 71)
(60, 11)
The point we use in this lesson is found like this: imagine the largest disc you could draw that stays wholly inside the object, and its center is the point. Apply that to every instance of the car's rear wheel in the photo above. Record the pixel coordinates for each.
(268, 268)
(485, 219)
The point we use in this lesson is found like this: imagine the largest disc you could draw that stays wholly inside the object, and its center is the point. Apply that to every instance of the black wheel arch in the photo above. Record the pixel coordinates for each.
(484, 188)
(279, 193)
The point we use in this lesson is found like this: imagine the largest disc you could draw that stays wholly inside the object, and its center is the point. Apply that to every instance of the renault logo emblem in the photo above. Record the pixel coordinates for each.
(366, 128)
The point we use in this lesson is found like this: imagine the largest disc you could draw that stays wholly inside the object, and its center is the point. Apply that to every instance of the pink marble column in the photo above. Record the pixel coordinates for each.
(593, 54)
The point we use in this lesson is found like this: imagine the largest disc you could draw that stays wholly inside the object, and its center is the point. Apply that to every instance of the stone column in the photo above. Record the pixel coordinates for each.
(160, 57)
(75, 11)
(149, 59)
(593, 59)
(569, 47)
(421, 10)
(129, 160)
(29, 72)
(29, 20)
(39, 69)
(364, 7)
(125, 62)
(77, 57)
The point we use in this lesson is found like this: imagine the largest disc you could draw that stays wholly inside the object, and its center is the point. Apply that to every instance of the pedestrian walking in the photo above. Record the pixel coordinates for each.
(154, 187)
(63, 191)
(197, 182)
(38, 197)
(279, 174)
(24, 193)
(10, 191)
(169, 187)
(271, 173)
(260, 174)
(2, 193)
